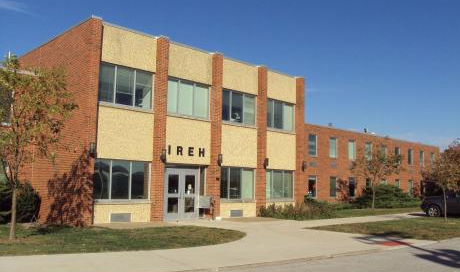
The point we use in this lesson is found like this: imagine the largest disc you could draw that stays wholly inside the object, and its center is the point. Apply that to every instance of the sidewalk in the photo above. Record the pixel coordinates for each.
(266, 241)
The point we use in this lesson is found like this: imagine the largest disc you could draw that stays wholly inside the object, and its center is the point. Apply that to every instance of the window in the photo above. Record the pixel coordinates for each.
(312, 142)
(368, 151)
(5, 107)
(384, 181)
(397, 183)
(409, 157)
(121, 180)
(351, 150)
(188, 98)
(422, 158)
(332, 186)
(280, 185)
(432, 158)
(410, 187)
(280, 115)
(312, 186)
(125, 86)
(383, 150)
(368, 182)
(351, 187)
(238, 107)
(333, 147)
(237, 183)
(397, 151)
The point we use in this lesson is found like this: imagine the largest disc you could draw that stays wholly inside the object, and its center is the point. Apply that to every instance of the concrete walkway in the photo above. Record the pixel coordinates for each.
(266, 241)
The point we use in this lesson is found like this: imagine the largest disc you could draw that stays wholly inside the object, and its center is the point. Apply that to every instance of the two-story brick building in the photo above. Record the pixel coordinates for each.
(162, 126)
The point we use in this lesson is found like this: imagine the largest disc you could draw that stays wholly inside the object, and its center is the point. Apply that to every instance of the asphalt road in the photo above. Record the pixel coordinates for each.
(443, 256)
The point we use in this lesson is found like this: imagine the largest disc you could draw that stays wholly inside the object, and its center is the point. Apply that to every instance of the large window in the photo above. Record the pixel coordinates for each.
(432, 158)
(238, 107)
(368, 151)
(280, 115)
(121, 180)
(125, 86)
(237, 184)
(188, 98)
(312, 186)
(332, 186)
(351, 187)
(383, 150)
(410, 187)
(333, 147)
(279, 185)
(312, 145)
(397, 183)
(410, 159)
(351, 150)
(422, 158)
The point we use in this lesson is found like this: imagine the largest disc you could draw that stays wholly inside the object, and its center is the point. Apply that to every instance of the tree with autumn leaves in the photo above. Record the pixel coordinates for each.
(34, 105)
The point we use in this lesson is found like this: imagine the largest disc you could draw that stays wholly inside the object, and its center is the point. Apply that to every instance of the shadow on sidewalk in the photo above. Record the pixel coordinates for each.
(446, 257)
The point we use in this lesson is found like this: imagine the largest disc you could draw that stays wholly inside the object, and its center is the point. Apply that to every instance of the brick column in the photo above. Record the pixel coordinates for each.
(300, 175)
(261, 136)
(159, 129)
(213, 173)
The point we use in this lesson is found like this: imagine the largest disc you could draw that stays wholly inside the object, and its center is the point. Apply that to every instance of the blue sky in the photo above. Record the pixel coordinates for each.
(391, 66)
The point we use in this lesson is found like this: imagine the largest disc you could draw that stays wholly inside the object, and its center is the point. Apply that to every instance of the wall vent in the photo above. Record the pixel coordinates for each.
(120, 217)
(236, 213)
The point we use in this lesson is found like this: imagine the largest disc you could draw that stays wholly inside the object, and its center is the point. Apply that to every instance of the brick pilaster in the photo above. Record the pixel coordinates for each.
(261, 136)
(300, 175)
(213, 173)
(159, 129)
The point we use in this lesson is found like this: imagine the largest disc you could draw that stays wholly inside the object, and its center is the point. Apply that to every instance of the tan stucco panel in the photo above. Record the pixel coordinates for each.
(124, 134)
(191, 64)
(240, 77)
(281, 87)
(249, 208)
(140, 212)
(188, 133)
(281, 150)
(239, 146)
(124, 47)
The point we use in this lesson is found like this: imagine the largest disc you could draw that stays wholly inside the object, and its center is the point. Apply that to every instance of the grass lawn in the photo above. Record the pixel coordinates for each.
(55, 240)
(425, 228)
(367, 212)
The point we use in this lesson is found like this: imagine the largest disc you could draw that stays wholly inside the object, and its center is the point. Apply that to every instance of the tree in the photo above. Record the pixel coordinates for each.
(33, 108)
(445, 172)
(376, 166)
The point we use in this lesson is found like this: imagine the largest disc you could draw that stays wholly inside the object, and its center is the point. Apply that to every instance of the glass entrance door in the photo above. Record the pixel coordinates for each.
(181, 194)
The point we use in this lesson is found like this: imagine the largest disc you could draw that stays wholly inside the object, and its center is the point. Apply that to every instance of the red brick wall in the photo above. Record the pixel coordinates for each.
(300, 180)
(324, 171)
(65, 188)
(213, 173)
(261, 137)
(159, 128)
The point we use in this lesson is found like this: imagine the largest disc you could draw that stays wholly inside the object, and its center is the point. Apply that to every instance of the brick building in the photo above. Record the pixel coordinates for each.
(163, 128)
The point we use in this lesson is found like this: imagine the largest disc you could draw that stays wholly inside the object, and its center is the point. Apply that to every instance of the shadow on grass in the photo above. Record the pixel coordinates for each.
(446, 257)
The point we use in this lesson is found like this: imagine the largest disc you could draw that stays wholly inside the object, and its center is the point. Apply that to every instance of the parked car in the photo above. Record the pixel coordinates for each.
(434, 205)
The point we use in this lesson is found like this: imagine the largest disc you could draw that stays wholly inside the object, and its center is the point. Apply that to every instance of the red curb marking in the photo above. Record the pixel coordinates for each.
(393, 243)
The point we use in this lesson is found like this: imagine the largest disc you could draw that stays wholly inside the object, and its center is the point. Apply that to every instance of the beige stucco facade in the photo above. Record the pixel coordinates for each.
(128, 48)
(140, 212)
(281, 87)
(239, 76)
(186, 133)
(281, 150)
(239, 146)
(124, 134)
(190, 64)
(249, 208)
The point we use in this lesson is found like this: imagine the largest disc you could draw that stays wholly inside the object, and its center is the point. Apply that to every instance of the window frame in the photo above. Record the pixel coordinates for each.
(283, 199)
(410, 157)
(336, 155)
(227, 199)
(129, 199)
(421, 157)
(193, 116)
(242, 108)
(355, 184)
(316, 144)
(335, 187)
(354, 150)
(315, 178)
(114, 90)
(272, 116)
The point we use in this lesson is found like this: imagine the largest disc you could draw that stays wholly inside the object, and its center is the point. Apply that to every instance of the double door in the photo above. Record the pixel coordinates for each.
(181, 194)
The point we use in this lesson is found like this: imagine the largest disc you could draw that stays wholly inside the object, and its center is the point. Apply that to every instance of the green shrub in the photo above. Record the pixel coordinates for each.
(28, 203)
(310, 209)
(386, 196)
